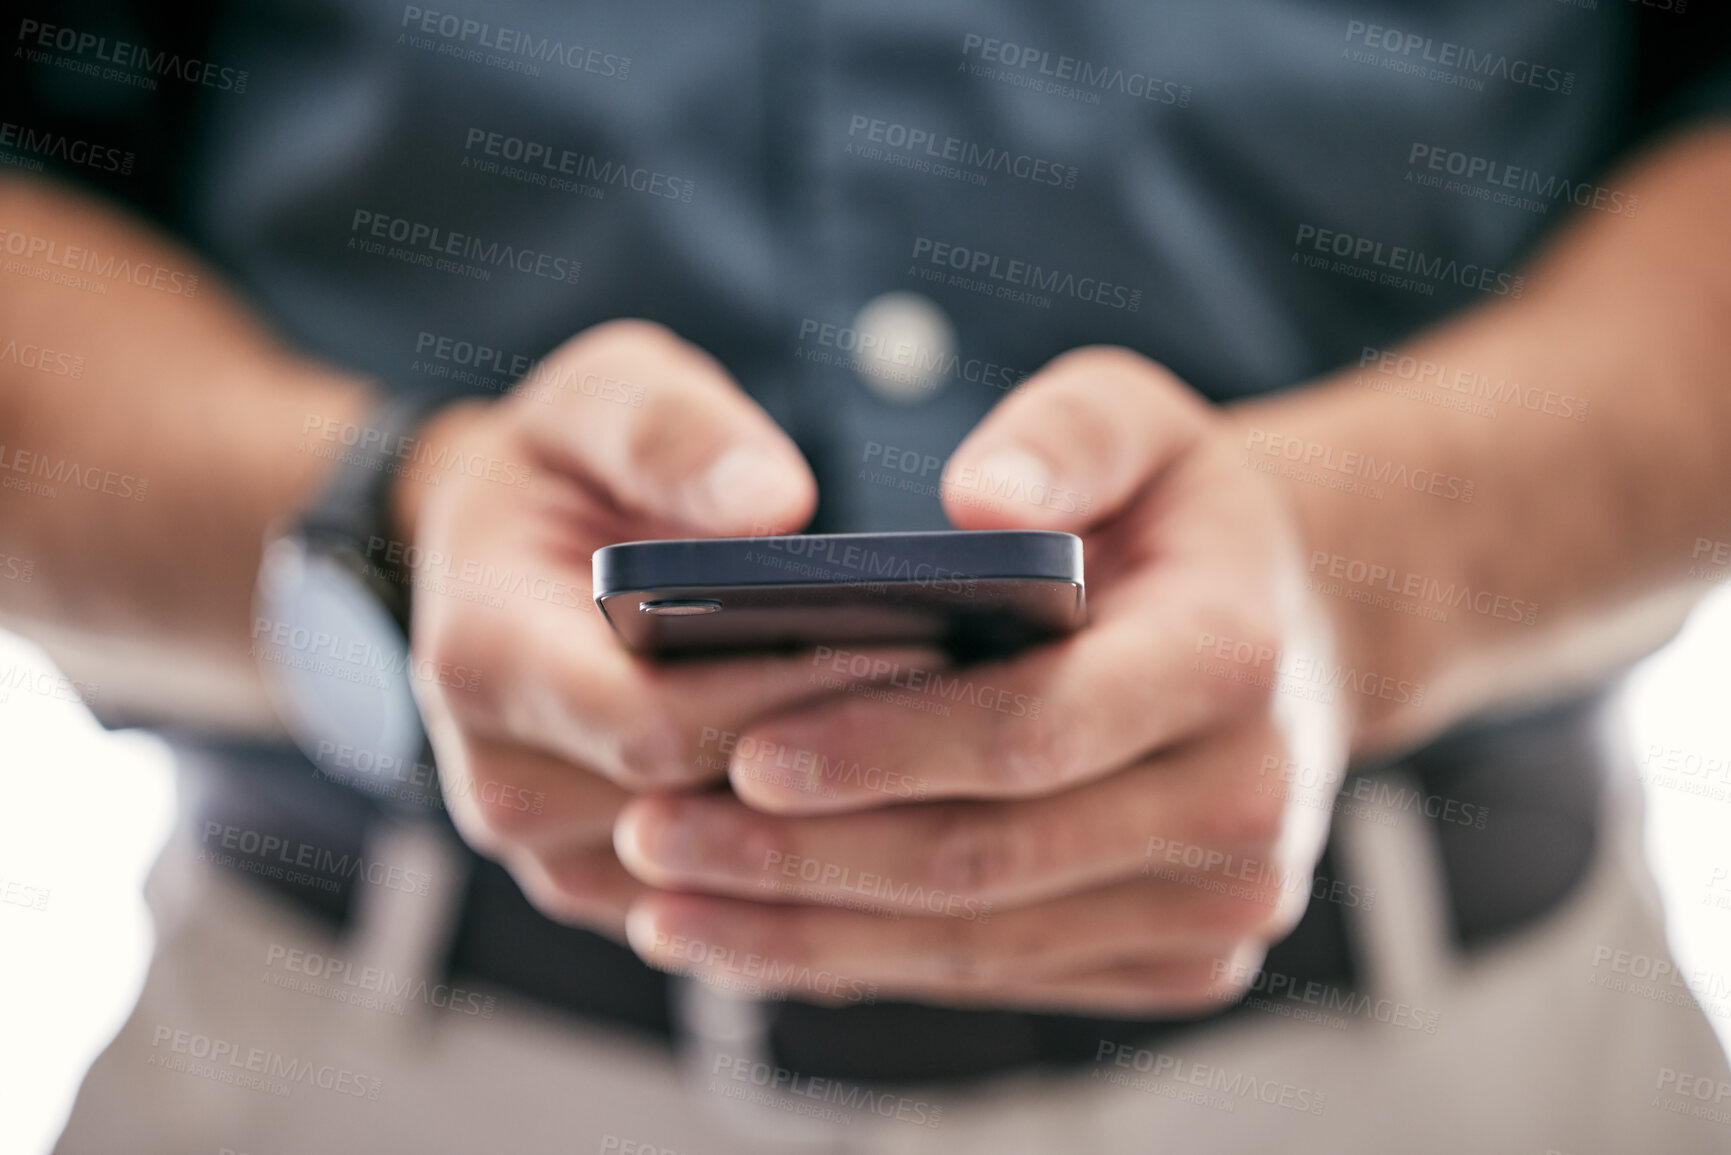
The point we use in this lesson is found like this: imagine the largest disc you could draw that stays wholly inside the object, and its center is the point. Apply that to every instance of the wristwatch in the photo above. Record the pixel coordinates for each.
(330, 611)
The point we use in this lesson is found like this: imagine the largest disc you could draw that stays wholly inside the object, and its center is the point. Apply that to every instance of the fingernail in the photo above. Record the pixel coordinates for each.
(746, 484)
(643, 930)
(676, 837)
(674, 932)
(775, 764)
(638, 837)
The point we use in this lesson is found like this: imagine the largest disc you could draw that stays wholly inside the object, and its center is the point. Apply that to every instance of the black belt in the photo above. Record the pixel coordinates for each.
(1514, 805)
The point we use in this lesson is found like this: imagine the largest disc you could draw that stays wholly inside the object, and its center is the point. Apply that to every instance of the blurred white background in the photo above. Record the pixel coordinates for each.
(83, 812)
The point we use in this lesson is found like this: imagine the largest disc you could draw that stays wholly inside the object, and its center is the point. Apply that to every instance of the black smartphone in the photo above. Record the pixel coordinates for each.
(977, 593)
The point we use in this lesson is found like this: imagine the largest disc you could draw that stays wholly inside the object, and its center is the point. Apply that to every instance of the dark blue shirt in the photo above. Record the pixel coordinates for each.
(1251, 192)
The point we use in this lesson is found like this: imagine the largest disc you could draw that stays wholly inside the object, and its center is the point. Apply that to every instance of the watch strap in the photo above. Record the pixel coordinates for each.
(353, 513)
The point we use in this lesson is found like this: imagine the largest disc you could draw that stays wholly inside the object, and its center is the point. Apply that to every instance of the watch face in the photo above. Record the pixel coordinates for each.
(337, 665)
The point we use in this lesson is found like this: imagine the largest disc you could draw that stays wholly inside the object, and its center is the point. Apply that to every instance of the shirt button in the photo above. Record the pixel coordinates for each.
(905, 347)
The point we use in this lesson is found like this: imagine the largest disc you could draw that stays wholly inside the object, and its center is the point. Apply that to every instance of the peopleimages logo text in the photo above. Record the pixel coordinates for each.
(525, 47)
(965, 153)
(1072, 70)
(36, 35)
(437, 241)
(1494, 180)
(1412, 264)
(545, 162)
(66, 149)
(1459, 58)
(1025, 275)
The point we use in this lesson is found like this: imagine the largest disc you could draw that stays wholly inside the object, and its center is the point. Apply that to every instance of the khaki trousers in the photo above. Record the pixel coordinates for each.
(1546, 1043)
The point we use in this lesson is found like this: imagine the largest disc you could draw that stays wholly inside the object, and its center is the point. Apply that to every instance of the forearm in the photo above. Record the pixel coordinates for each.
(139, 492)
(1592, 526)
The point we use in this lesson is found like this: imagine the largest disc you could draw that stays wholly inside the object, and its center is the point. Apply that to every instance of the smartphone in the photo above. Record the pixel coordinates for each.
(977, 593)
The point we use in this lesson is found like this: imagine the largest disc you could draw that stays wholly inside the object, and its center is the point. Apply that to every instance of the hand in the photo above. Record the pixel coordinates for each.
(624, 432)
(1129, 828)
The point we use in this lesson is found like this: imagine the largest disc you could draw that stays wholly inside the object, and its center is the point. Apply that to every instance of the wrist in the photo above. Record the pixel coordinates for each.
(335, 576)
(443, 430)
(1377, 667)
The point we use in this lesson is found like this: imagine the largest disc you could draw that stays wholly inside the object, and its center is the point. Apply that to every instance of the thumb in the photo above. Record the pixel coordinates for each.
(664, 431)
(1073, 444)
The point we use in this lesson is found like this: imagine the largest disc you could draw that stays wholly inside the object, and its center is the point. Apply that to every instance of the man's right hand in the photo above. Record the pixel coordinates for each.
(625, 432)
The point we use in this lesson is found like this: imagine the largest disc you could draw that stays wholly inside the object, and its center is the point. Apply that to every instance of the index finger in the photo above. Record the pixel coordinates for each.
(1065, 713)
(560, 682)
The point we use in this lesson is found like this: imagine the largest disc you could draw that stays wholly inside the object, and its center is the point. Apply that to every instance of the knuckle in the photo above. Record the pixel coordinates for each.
(473, 832)
(488, 812)
(574, 875)
(444, 638)
(1282, 922)
(1091, 428)
(1250, 641)
(457, 788)
(1254, 621)
(1252, 821)
(958, 961)
(672, 434)
(1247, 915)
(646, 443)
(647, 749)
(1113, 361)
(434, 634)
(1200, 998)
(498, 814)
(557, 888)
(470, 823)
(1036, 757)
(971, 854)
(1196, 986)
(1110, 372)
(1231, 975)
(492, 814)
(629, 331)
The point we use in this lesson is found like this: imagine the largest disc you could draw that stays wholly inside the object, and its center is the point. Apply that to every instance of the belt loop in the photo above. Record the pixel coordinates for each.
(711, 1024)
(1403, 943)
(408, 890)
